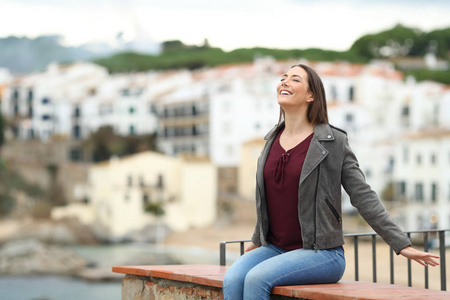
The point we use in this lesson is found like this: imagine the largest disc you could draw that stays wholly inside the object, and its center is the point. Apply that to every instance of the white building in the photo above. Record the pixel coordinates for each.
(184, 188)
(41, 105)
(76, 100)
(422, 179)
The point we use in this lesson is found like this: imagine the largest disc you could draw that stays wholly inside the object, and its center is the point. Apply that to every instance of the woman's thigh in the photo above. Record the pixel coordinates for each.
(246, 262)
(299, 267)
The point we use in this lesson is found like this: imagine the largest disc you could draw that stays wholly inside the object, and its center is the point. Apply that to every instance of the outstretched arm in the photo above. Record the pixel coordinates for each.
(423, 258)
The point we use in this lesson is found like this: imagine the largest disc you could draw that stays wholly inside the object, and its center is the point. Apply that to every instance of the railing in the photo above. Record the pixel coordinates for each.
(440, 233)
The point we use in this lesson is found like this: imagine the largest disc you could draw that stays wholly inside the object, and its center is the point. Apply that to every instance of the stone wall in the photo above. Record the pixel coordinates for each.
(152, 288)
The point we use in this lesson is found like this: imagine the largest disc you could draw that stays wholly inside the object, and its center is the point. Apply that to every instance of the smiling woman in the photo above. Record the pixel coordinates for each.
(298, 237)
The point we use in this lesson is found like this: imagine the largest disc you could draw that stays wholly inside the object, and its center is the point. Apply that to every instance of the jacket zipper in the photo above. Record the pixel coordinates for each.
(315, 209)
(333, 210)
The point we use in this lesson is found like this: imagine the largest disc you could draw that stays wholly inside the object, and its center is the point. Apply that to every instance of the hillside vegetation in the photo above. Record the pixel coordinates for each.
(24, 55)
(399, 41)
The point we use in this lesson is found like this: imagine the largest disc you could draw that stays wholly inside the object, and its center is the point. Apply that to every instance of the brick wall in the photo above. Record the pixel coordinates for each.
(152, 288)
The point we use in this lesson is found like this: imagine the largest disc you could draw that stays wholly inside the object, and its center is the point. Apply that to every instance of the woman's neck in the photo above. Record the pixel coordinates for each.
(295, 125)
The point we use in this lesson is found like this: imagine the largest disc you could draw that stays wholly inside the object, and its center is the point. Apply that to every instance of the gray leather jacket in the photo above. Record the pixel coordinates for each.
(329, 164)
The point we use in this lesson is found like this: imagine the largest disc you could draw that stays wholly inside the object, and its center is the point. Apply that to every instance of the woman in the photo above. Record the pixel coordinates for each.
(298, 237)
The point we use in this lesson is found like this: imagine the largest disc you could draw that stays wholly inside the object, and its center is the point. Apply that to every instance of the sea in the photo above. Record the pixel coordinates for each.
(50, 287)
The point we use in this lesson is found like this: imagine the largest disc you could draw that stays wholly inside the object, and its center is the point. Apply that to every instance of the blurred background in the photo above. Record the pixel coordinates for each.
(130, 129)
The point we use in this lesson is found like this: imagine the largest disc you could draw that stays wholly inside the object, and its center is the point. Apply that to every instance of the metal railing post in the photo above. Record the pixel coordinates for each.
(391, 260)
(442, 262)
(223, 253)
(356, 258)
(409, 266)
(425, 248)
(374, 258)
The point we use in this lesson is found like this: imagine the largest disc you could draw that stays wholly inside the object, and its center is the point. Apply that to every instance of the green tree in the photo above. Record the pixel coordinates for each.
(104, 143)
(438, 41)
(398, 41)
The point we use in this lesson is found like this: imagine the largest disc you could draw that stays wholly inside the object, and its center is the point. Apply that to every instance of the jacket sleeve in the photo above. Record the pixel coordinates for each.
(256, 236)
(368, 204)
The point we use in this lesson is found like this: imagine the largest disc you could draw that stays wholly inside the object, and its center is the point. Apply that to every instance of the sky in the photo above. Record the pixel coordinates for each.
(228, 24)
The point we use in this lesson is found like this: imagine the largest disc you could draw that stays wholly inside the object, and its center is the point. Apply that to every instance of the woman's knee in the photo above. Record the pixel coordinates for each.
(256, 278)
(233, 277)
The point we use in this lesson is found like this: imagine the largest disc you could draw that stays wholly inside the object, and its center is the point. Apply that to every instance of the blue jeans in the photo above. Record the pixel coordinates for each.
(253, 275)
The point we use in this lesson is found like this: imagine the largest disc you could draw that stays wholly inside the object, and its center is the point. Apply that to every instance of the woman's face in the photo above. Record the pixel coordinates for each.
(293, 91)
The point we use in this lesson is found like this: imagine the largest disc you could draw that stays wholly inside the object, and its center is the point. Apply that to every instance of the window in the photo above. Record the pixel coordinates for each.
(145, 199)
(419, 159)
(153, 109)
(15, 94)
(76, 131)
(349, 118)
(405, 115)
(129, 180)
(77, 112)
(333, 92)
(45, 101)
(405, 154)
(160, 184)
(30, 95)
(131, 110)
(402, 188)
(46, 117)
(434, 191)
(351, 93)
(405, 111)
(433, 159)
(419, 192)
(131, 130)
(75, 154)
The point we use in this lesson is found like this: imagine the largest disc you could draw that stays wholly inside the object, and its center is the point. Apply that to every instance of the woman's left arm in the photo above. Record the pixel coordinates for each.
(423, 258)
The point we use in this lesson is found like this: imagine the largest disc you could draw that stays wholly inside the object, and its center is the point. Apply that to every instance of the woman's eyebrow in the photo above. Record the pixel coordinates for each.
(285, 75)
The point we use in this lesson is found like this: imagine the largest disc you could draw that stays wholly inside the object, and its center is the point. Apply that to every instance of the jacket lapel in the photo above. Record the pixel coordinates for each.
(316, 152)
(270, 137)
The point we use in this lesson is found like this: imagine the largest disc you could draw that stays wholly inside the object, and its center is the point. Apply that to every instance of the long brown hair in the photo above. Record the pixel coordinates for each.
(317, 109)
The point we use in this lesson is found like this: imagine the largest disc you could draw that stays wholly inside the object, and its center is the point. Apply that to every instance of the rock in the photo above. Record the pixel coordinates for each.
(67, 231)
(30, 256)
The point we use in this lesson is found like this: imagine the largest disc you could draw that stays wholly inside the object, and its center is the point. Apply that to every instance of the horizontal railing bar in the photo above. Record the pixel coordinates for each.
(237, 241)
(355, 236)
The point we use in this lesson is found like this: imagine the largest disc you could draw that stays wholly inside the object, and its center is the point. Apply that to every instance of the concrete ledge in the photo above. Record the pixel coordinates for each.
(194, 282)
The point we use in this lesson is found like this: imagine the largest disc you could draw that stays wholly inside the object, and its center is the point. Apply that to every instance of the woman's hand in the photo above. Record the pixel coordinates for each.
(250, 247)
(423, 258)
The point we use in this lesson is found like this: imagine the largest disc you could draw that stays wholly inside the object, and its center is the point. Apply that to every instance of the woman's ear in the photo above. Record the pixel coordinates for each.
(310, 97)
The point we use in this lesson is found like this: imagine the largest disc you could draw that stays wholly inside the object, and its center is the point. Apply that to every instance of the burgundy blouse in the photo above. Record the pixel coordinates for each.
(281, 178)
